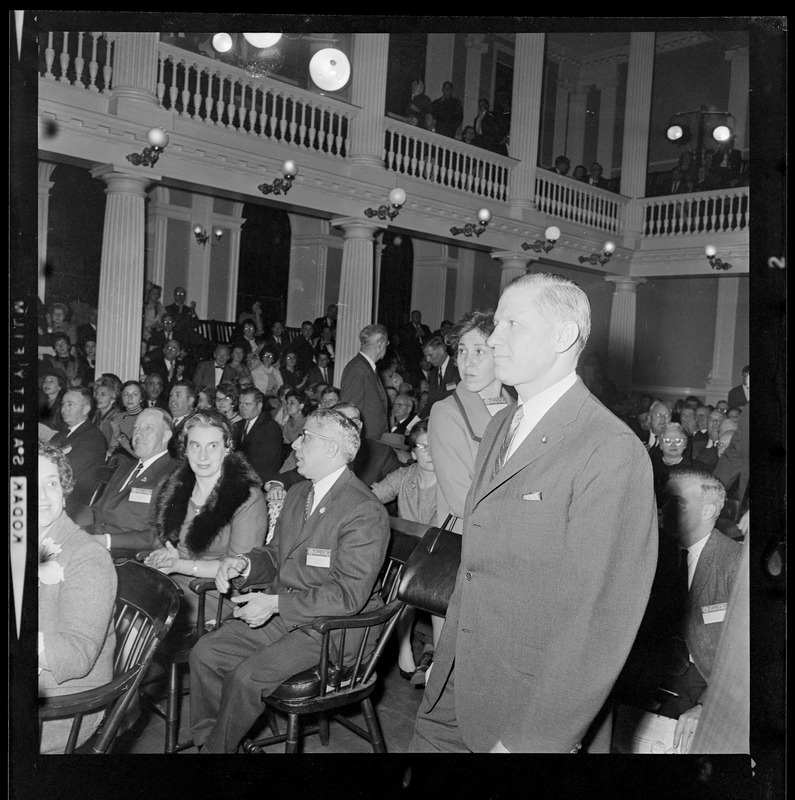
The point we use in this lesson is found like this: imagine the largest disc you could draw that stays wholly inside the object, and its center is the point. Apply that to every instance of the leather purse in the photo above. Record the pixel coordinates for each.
(429, 573)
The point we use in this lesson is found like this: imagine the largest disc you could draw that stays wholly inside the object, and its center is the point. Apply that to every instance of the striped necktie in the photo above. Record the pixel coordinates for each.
(508, 440)
(310, 498)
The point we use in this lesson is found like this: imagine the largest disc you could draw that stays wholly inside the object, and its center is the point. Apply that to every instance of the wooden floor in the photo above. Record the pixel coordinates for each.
(395, 700)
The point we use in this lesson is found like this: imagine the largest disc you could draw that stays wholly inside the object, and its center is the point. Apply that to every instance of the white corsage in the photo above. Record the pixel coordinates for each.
(50, 571)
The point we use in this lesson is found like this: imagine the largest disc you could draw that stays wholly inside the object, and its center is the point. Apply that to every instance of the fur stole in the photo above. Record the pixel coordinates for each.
(231, 491)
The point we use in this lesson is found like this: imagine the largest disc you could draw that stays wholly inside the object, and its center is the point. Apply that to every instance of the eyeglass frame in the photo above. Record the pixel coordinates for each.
(304, 433)
(672, 441)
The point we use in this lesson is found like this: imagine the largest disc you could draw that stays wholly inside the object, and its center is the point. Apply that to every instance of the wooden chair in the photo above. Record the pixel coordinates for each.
(331, 686)
(147, 602)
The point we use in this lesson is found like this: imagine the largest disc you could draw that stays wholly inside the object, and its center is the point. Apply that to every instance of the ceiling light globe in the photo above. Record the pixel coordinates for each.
(552, 233)
(484, 215)
(222, 42)
(610, 247)
(262, 40)
(710, 250)
(397, 197)
(722, 133)
(157, 137)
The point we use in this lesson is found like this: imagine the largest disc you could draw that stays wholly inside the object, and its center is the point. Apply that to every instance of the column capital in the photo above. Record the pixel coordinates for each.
(120, 179)
(510, 259)
(624, 283)
(356, 228)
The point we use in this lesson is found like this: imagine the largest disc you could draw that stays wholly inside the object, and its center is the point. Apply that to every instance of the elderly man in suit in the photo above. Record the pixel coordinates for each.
(558, 553)
(124, 515)
(695, 603)
(258, 436)
(330, 543)
(82, 442)
(443, 376)
(361, 385)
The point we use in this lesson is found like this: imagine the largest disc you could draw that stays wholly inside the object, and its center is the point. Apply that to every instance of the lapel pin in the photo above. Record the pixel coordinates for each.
(322, 510)
(543, 440)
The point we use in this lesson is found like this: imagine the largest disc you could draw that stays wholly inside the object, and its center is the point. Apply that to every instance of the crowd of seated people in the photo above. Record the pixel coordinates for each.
(217, 431)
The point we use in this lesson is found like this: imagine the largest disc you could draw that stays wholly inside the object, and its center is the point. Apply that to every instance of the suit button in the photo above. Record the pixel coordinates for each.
(469, 576)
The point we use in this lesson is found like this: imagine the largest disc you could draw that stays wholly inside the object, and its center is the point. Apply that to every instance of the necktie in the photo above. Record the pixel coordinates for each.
(509, 437)
(135, 473)
(310, 498)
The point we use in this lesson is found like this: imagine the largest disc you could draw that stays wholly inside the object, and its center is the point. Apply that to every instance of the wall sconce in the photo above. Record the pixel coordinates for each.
(714, 261)
(397, 197)
(202, 237)
(279, 186)
(484, 215)
(552, 235)
(158, 139)
(600, 258)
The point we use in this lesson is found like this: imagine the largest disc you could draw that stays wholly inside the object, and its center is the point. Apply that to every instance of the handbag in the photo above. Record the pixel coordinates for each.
(429, 574)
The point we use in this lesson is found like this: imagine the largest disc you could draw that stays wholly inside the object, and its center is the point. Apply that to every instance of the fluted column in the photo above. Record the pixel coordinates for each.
(607, 120)
(121, 276)
(135, 66)
(637, 110)
(720, 377)
(561, 119)
(355, 307)
(476, 49)
(513, 265)
(156, 235)
(528, 70)
(738, 94)
(45, 184)
(368, 91)
(621, 338)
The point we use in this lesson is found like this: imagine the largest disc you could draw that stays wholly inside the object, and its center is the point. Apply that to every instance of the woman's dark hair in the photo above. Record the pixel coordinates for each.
(230, 390)
(58, 375)
(56, 456)
(133, 383)
(416, 432)
(299, 395)
(477, 320)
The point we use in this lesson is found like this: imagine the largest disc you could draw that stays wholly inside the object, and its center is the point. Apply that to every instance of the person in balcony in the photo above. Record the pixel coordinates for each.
(580, 173)
(725, 166)
(447, 112)
(487, 129)
(419, 108)
(687, 164)
(562, 165)
(595, 178)
(469, 136)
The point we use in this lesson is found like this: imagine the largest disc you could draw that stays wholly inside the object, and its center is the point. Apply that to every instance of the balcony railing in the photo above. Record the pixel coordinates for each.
(84, 59)
(718, 211)
(427, 156)
(567, 199)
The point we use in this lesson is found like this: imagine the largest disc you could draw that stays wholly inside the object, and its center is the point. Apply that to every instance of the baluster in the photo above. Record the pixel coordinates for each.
(173, 92)
(231, 106)
(282, 116)
(64, 59)
(274, 116)
(197, 94)
(263, 114)
(411, 167)
(186, 90)
(49, 57)
(161, 86)
(93, 65)
(312, 142)
(338, 137)
(302, 127)
(400, 146)
(208, 101)
(220, 103)
(389, 150)
(293, 119)
(241, 109)
(252, 114)
(321, 131)
(79, 61)
(107, 70)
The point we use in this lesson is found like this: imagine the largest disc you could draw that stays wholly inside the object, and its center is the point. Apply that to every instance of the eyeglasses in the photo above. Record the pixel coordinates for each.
(304, 433)
(672, 441)
(423, 448)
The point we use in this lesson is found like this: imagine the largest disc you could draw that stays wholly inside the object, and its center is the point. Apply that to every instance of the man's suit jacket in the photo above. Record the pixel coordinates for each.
(85, 450)
(130, 523)
(280, 347)
(558, 557)
(205, 374)
(489, 135)
(737, 397)
(351, 527)
(735, 463)
(600, 183)
(361, 386)
(315, 375)
(441, 386)
(262, 445)
(156, 364)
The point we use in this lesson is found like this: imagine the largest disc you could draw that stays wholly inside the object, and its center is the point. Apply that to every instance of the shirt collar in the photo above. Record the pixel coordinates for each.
(323, 486)
(369, 360)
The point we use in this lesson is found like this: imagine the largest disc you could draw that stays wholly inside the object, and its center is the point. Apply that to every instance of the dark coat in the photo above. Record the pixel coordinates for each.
(262, 445)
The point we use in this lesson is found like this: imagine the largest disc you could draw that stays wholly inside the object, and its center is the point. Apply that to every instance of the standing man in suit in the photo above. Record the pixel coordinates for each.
(277, 341)
(211, 373)
(447, 112)
(329, 545)
(258, 436)
(414, 335)
(487, 129)
(559, 547)
(443, 376)
(328, 321)
(361, 385)
(185, 318)
(82, 442)
(125, 513)
(696, 611)
(740, 396)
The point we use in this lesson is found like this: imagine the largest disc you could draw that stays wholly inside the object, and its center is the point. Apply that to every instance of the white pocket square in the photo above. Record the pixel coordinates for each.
(532, 496)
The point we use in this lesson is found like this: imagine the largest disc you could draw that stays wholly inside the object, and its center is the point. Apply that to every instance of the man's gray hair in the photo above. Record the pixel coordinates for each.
(369, 333)
(560, 299)
(335, 424)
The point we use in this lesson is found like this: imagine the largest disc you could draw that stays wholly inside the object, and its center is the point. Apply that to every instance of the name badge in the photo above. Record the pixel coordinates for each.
(450, 387)
(138, 495)
(315, 557)
(713, 613)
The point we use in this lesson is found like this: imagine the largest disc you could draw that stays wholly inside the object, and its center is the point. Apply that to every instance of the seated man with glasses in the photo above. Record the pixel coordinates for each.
(330, 542)
(667, 456)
